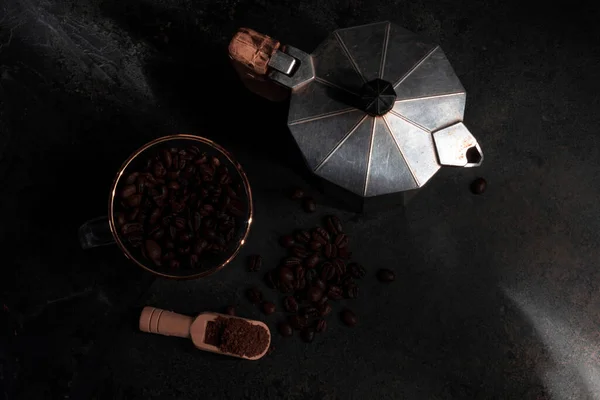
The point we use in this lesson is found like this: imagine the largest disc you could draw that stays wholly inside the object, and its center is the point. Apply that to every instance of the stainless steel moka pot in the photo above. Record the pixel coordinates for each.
(375, 109)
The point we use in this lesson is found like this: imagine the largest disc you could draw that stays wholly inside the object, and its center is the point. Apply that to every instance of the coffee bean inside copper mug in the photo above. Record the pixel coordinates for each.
(185, 206)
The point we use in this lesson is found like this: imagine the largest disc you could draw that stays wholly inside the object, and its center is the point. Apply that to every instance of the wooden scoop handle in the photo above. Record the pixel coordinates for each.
(162, 322)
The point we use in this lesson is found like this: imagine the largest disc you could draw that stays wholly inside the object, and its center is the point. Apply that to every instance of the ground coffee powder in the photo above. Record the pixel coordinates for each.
(236, 336)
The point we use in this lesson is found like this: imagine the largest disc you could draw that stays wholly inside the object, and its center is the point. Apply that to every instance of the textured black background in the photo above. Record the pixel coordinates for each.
(496, 297)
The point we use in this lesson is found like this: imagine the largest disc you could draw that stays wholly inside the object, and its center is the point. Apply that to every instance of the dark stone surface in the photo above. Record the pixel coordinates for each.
(496, 295)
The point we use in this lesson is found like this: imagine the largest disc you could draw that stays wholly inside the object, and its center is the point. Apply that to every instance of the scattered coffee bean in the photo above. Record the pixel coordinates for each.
(254, 262)
(335, 292)
(320, 284)
(303, 237)
(153, 251)
(230, 310)
(290, 304)
(296, 194)
(478, 186)
(325, 309)
(315, 246)
(314, 294)
(311, 261)
(356, 270)
(268, 308)
(327, 271)
(286, 274)
(286, 241)
(333, 224)
(254, 295)
(352, 291)
(311, 275)
(349, 318)
(341, 240)
(386, 275)
(269, 280)
(309, 204)
(285, 329)
(308, 335)
(330, 251)
(321, 325)
(309, 312)
(299, 251)
(297, 321)
(292, 262)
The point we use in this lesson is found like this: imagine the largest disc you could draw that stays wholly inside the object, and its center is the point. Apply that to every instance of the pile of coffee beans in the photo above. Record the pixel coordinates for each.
(316, 272)
(181, 208)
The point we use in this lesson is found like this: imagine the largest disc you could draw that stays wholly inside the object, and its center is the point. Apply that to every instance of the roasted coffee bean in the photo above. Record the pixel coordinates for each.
(193, 260)
(349, 318)
(300, 284)
(174, 264)
(311, 275)
(315, 246)
(119, 219)
(478, 186)
(184, 237)
(314, 294)
(292, 261)
(159, 169)
(299, 272)
(303, 237)
(320, 284)
(128, 190)
(296, 194)
(254, 262)
(286, 241)
(132, 178)
(158, 234)
(341, 240)
(173, 232)
(286, 274)
(169, 256)
(135, 240)
(325, 309)
(309, 204)
(330, 251)
(130, 228)
(166, 158)
(155, 216)
(299, 251)
(209, 234)
(352, 291)
(285, 329)
(344, 253)
(134, 200)
(307, 335)
(230, 310)
(386, 275)
(172, 175)
(327, 271)
(321, 325)
(309, 312)
(183, 249)
(179, 222)
(335, 292)
(254, 295)
(173, 185)
(153, 250)
(323, 233)
(169, 245)
(311, 261)
(268, 308)
(297, 321)
(269, 280)
(290, 304)
(316, 237)
(333, 224)
(286, 286)
(356, 270)
(340, 267)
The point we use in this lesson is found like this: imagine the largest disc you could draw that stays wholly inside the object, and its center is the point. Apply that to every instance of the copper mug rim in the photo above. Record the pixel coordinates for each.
(133, 156)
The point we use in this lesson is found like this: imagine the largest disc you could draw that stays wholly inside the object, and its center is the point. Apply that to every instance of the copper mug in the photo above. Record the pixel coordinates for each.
(103, 230)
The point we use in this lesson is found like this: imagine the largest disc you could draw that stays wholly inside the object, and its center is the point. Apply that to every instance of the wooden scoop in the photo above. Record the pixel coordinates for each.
(168, 323)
